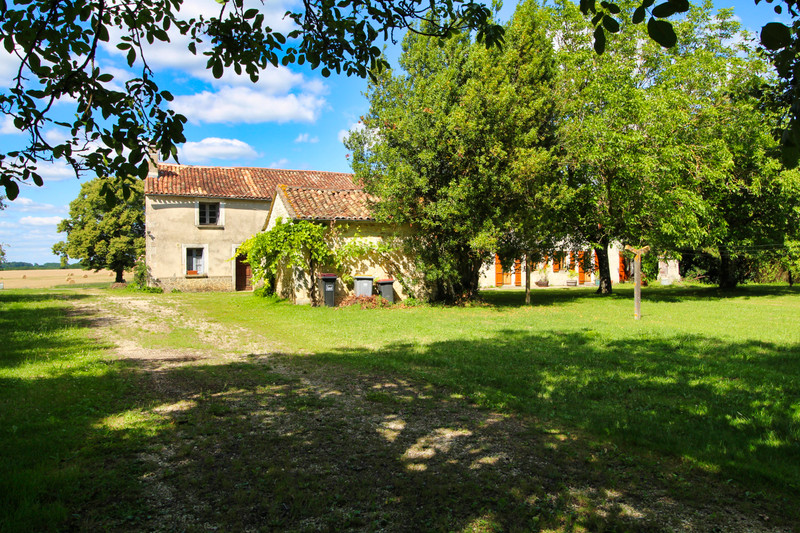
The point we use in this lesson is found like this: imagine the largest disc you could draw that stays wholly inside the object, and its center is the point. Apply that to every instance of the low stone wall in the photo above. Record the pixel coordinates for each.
(206, 284)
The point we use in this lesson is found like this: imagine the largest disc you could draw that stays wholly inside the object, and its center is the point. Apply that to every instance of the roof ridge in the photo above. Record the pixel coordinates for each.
(267, 169)
(326, 189)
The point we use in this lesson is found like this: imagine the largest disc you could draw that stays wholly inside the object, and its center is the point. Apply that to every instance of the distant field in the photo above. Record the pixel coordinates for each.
(43, 279)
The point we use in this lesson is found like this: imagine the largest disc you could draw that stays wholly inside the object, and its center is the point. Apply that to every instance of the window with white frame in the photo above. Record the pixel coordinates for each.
(208, 214)
(195, 261)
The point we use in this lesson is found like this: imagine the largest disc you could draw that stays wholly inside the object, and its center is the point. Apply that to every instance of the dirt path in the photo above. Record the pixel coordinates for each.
(260, 440)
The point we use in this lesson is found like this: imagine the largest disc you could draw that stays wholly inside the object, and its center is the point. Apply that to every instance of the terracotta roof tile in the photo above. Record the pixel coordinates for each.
(327, 204)
(238, 182)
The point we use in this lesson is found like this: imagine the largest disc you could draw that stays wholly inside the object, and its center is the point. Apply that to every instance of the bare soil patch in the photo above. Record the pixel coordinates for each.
(260, 440)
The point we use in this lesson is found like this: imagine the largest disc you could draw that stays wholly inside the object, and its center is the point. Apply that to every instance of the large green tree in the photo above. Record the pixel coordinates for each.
(452, 142)
(2, 246)
(751, 202)
(651, 142)
(103, 234)
(56, 45)
(782, 41)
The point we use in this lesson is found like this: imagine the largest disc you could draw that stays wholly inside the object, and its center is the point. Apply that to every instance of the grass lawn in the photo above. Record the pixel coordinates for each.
(702, 395)
(56, 384)
(707, 377)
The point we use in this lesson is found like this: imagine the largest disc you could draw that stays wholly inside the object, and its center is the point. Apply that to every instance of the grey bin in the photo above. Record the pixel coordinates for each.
(327, 286)
(363, 285)
(386, 289)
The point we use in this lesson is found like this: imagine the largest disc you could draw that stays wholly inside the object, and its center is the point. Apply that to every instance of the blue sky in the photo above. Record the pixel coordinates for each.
(292, 118)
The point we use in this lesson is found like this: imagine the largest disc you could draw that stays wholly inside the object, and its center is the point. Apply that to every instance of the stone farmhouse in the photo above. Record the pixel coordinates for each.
(197, 216)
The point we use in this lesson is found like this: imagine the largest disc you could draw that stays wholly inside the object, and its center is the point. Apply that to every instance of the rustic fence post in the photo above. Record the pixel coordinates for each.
(637, 279)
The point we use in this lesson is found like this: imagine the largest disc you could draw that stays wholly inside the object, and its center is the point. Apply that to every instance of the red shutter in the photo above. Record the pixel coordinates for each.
(498, 271)
(623, 274)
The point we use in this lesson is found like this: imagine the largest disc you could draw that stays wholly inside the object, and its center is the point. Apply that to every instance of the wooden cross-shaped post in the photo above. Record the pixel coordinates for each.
(637, 279)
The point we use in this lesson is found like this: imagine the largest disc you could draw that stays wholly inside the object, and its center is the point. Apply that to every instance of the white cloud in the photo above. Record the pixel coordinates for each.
(40, 221)
(4, 224)
(175, 53)
(56, 171)
(306, 138)
(56, 135)
(9, 65)
(273, 80)
(216, 148)
(280, 163)
(7, 126)
(242, 104)
(26, 205)
(344, 134)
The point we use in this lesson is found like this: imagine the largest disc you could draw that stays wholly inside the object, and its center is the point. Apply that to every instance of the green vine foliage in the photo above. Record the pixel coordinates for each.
(354, 254)
(289, 244)
(312, 246)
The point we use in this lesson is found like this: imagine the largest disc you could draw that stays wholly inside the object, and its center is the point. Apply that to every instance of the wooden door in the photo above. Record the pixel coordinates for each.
(244, 275)
(498, 271)
(517, 272)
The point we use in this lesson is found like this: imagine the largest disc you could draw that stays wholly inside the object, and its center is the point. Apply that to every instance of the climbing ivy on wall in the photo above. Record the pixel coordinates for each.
(312, 246)
(289, 244)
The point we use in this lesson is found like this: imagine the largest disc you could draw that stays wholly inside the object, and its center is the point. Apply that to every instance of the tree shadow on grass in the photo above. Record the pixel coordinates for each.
(248, 446)
(34, 332)
(729, 406)
(615, 441)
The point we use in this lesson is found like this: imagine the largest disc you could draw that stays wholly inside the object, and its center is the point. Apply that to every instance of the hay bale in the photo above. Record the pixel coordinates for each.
(86, 275)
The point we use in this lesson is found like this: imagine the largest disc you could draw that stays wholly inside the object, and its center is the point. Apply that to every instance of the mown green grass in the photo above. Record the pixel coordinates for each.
(709, 378)
(702, 394)
(57, 387)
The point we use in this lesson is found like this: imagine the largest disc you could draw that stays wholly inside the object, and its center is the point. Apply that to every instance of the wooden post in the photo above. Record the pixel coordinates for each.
(527, 279)
(637, 280)
(637, 286)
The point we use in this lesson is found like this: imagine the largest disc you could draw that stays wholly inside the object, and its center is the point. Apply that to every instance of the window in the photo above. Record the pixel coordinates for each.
(559, 261)
(195, 262)
(208, 214)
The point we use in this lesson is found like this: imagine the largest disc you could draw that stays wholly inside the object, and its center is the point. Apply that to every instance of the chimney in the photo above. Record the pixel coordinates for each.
(152, 162)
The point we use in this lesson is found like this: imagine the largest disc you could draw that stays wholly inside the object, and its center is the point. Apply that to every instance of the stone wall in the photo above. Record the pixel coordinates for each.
(199, 284)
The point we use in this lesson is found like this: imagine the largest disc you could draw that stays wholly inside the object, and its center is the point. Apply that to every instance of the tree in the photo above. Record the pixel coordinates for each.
(612, 143)
(781, 41)
(103, 235)
(56, 45)
(2, 246)
(752, 202)
(451, 144)
(645, 134)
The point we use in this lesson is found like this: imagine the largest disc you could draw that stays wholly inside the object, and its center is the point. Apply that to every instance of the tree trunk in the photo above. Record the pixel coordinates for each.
(604, 270)
(727, 269)
(527, 279)
(119, 278)
(312, 272)
(791, 281)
